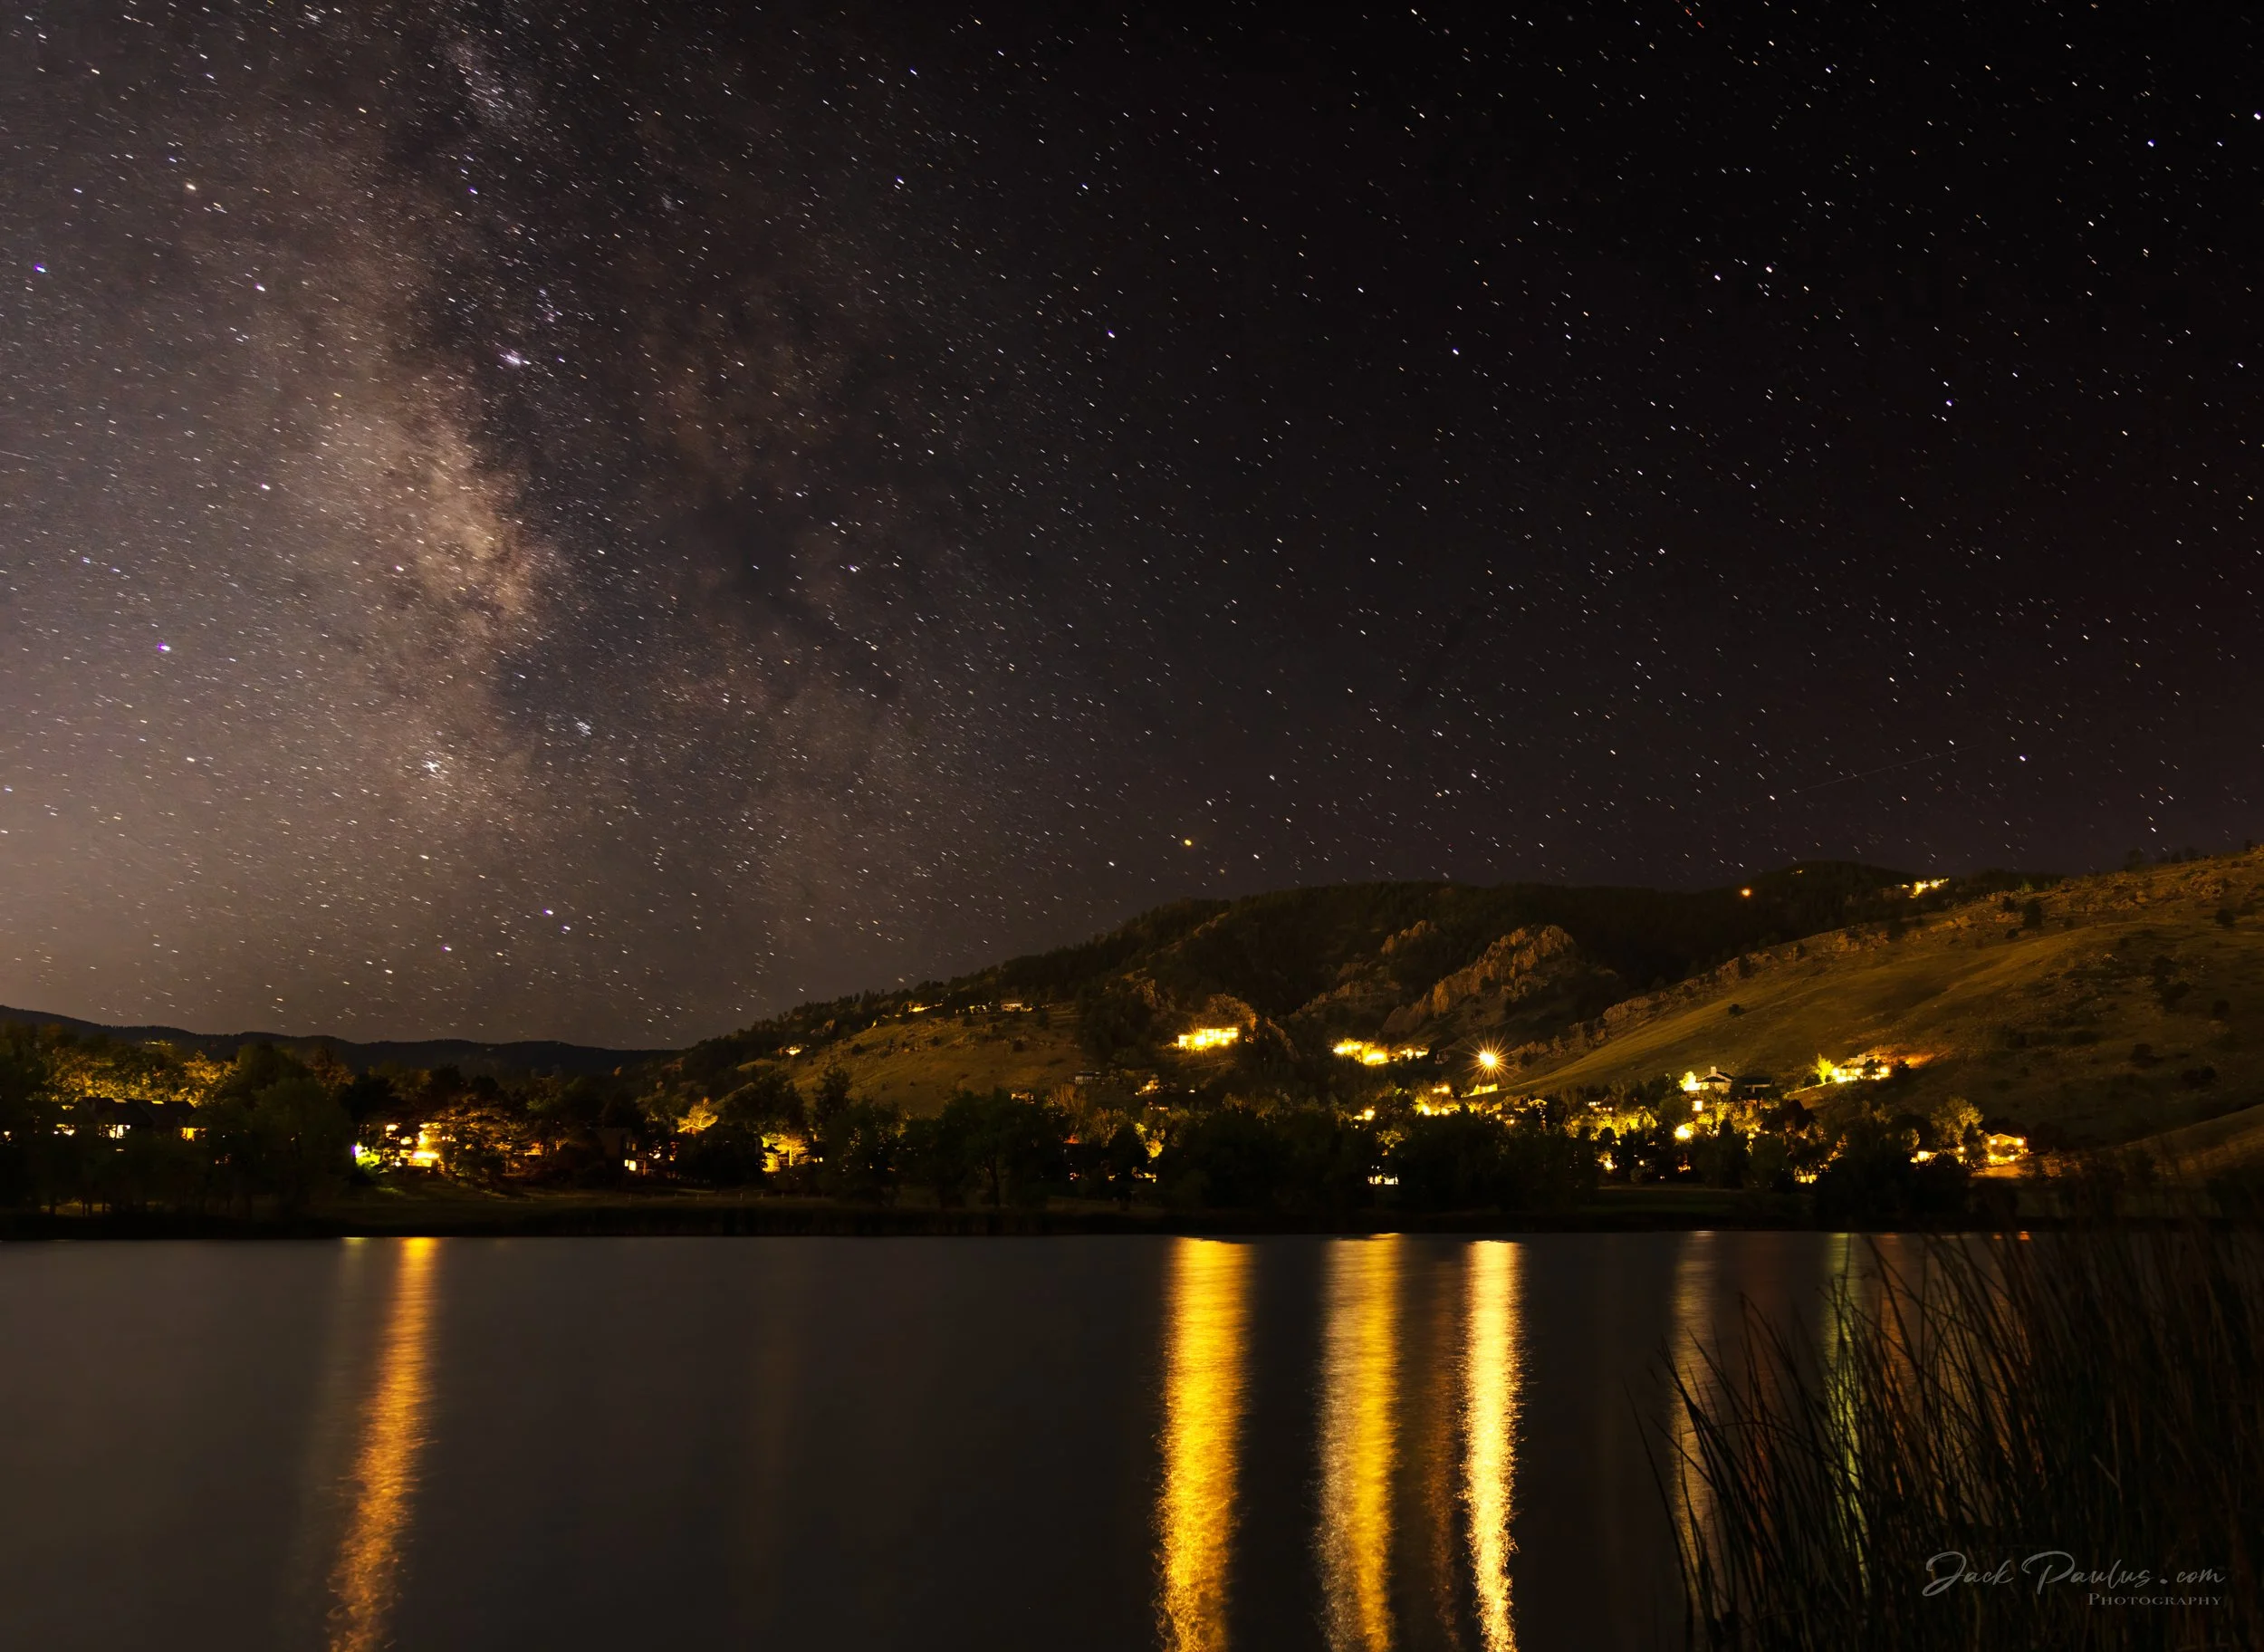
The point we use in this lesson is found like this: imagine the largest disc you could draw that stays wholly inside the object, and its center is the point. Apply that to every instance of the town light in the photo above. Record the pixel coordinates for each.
(1208, 1037)
(1376, 1055)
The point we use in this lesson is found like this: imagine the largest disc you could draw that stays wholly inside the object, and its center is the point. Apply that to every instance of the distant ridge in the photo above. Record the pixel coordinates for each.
(468, 1056)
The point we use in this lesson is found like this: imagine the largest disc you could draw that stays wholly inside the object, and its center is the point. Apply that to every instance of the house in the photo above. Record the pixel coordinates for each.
(1199, 1039)
(114, 1117)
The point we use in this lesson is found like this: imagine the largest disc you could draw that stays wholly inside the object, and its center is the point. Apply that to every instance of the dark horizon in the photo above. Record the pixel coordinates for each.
(603, 524)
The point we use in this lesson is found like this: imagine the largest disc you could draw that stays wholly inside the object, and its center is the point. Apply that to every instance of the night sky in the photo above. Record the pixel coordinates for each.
(600, 520)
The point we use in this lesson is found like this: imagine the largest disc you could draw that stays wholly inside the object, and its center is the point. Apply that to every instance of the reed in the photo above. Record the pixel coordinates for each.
(2095, 1395)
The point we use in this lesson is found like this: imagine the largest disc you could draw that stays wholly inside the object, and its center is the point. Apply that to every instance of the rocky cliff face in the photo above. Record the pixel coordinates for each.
(1524, 970)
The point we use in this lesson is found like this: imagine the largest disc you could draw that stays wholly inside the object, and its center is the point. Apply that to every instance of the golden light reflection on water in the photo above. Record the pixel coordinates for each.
(1493, 1374)
(1432, 1404)
(1696, 1277)
(366, 1581)
(1203, 1380)
(1360, 1421)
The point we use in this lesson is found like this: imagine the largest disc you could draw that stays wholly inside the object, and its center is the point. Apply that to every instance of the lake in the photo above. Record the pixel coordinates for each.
(1103, 1442)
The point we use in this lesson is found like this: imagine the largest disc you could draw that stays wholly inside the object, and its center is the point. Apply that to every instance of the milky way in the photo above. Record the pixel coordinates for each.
(599, 521)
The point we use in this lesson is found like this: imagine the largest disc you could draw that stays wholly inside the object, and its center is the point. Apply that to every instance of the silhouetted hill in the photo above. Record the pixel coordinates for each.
(466, 1056)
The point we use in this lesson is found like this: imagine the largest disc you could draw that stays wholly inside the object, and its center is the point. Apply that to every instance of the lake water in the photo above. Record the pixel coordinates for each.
(1393, 1442)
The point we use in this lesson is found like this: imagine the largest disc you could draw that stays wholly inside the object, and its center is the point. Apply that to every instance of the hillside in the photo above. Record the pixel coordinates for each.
(920, 1061)
(2101, 1011)
(467, 1056)
(1436, 967)
(2095, 1010)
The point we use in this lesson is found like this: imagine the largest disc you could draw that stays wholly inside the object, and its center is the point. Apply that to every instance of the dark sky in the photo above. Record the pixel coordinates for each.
(600, 520)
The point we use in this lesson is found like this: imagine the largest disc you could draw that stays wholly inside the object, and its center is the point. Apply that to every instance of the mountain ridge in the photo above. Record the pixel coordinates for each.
(472, 1057)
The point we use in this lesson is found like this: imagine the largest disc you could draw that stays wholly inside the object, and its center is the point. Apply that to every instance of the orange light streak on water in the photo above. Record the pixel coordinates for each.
(365, 1581)
(1494, 1372)
(1359, 1444)
(1204, 1375)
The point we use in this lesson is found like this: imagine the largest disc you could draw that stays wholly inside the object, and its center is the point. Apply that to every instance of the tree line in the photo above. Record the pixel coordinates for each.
(94, 1125)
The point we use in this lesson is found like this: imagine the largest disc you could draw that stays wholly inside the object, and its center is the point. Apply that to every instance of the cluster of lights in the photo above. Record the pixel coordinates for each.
(1377, 1055)
(1999, 1148)
(1208, 1037)
(1863, 1068)
(415, 1146)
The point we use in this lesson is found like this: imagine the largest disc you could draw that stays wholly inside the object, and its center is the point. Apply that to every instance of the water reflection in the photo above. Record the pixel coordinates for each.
(1432, 1401)
(1493, 1368)
(1204, 1381)
(1359, 1419)
(366, 1579)
(1696, 1285)
(1107, 1443)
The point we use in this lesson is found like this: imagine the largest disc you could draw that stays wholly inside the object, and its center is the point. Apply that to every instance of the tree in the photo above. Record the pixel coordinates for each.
(1329, 1159)
(325, 1065)
(1126, 1162)
(1873, 1178)
(367, 1096)
(726, 1154)
(1015, 1147)
(1469, 1161)
(767, 1099)
(860, 1157)
(834, 1095)
(1228, 1159)
(275, 1130)
(1113, 1019)
(935, 1155)
(1721, 1156)
(27, 1116)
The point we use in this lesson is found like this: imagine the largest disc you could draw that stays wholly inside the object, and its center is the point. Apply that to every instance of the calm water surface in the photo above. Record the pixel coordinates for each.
(1380, 1443)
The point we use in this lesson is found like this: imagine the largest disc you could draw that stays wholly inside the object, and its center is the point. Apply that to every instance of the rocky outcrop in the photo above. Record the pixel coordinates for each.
(1593, 1031)
(1412, 935)
(1525, 965)
(1362, 997)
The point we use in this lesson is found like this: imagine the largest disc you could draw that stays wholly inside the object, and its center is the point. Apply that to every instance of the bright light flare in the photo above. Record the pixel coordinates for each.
(1208, 1037)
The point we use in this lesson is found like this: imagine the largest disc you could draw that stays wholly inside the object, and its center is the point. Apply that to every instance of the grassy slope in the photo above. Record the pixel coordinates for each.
(918, 1063)
(2217, 1144)
(2036, 1025)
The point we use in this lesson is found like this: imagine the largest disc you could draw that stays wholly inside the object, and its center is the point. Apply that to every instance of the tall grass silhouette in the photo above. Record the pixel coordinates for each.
(2049, 1409)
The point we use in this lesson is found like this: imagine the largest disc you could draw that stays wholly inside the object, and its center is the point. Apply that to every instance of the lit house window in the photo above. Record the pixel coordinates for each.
(1209, 1038)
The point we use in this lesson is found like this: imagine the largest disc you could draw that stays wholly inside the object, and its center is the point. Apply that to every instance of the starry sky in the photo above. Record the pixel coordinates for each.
(601, 519)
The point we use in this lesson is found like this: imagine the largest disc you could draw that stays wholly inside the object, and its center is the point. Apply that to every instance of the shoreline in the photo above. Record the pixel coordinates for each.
(575, 1215)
